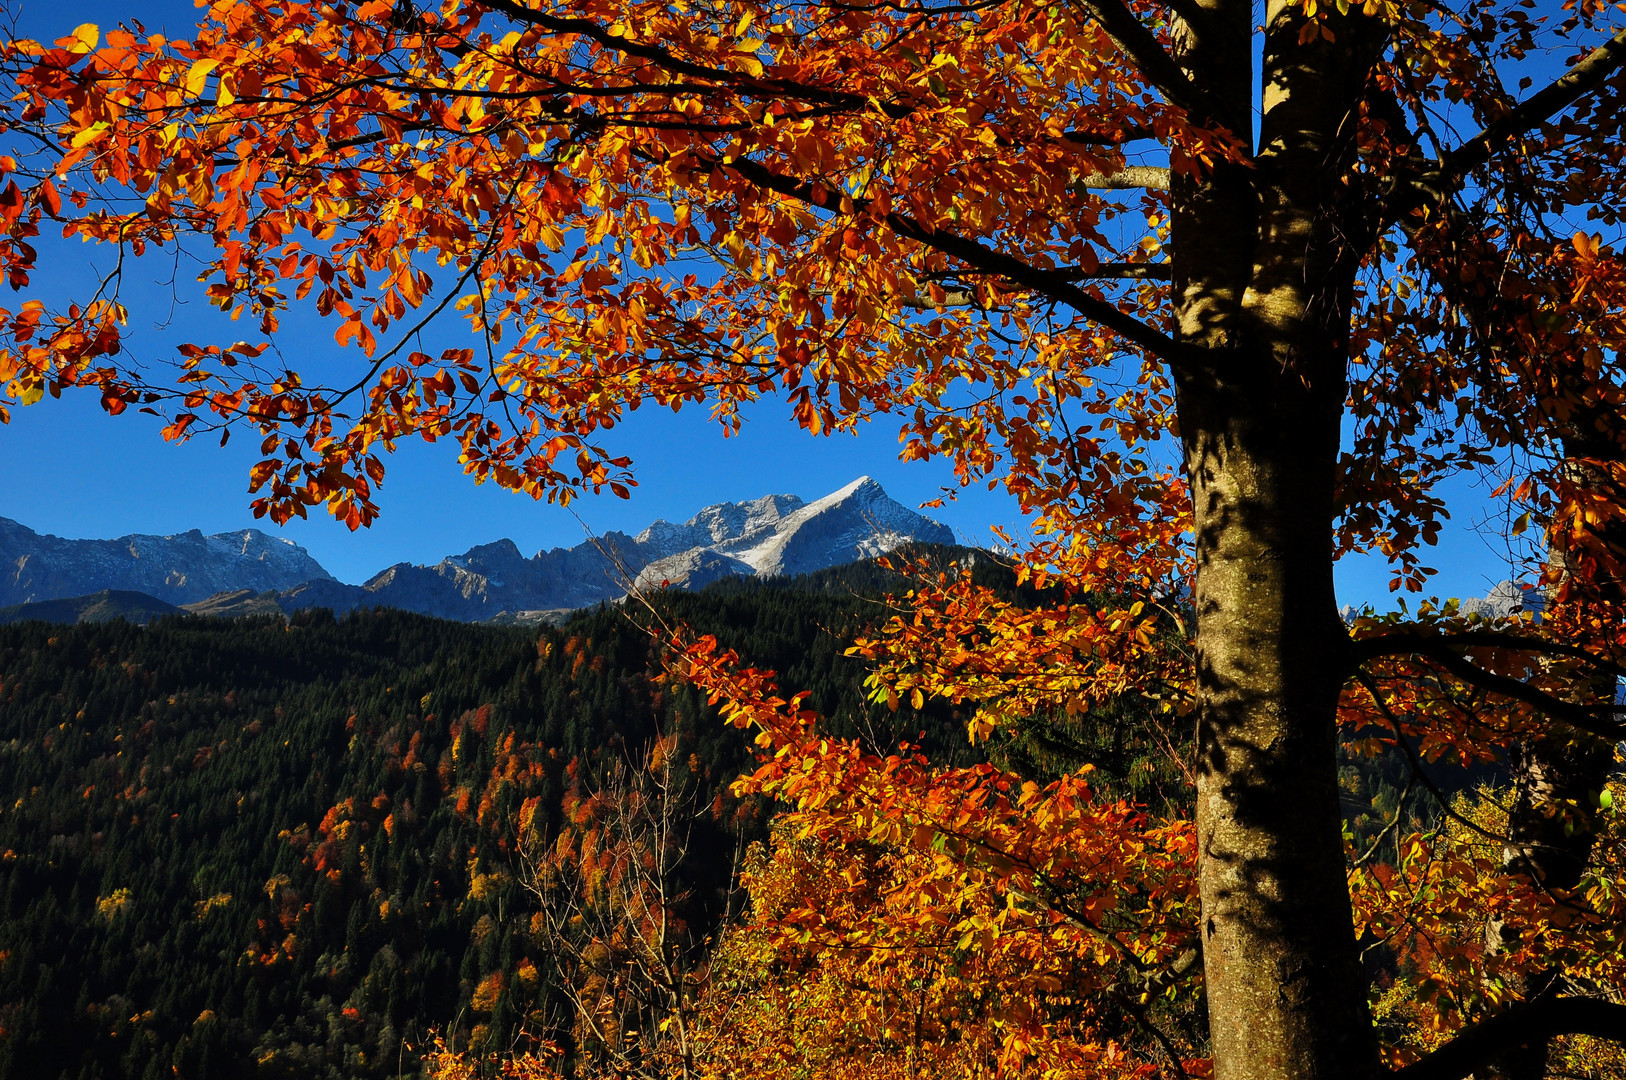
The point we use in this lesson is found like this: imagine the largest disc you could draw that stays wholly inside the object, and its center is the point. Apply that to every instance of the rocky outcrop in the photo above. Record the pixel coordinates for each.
(692, 569)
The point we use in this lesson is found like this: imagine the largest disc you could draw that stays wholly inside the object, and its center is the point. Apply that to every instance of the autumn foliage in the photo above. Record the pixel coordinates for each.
(1213, 324)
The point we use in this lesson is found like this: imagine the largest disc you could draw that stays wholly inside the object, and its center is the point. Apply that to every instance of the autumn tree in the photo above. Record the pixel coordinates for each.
(618, 917)
(1217, 300)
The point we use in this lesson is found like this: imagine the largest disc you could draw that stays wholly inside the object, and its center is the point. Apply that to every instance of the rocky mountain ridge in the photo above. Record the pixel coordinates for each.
(178, 569)
(766, 537)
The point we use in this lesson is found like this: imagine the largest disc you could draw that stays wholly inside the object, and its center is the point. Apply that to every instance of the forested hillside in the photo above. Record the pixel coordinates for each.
(300, 848)
(288, 849)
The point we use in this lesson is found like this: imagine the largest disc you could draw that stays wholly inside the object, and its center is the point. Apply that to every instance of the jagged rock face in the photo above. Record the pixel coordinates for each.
(1504, 599)
(692, 569)
(496, 577)
(732, 524)
(776, 534)
(176, 569)
(859, 521)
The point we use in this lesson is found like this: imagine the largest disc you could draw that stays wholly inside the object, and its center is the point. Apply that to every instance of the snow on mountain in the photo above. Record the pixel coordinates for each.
(692, 569)
(859, 521)
(177, 569)
(725, 524)
(775, 534)
(769, 536)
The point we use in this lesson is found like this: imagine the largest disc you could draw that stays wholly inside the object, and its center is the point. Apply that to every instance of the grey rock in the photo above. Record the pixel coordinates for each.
(551, 617)
(775, 534)
(692, 569)
(236, 604)
(250, 573)
(1505, 599)
(859, 521)
(178, 569)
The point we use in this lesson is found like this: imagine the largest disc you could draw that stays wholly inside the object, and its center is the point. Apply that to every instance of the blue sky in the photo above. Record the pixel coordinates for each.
(72, 471)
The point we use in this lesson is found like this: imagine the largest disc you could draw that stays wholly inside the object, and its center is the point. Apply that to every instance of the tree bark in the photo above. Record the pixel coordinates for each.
(1263, 279)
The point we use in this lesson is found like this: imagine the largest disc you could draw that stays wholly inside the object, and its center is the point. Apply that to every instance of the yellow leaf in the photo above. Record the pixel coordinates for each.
(89, 135)
(88, 35)
(198, 76)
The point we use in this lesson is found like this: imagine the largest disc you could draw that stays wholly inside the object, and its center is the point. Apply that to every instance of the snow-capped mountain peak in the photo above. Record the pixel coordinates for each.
(766, 536)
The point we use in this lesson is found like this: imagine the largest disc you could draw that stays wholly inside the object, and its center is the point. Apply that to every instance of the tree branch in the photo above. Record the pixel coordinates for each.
(1586, 76)
(1399, 644)
(1141, 47)
(1154, 177)
(1529, 1021)
(1128, 271)
(1433, 185)
(1576, 716)
(667, 60)
(1418, 773)
(1051, 283)
(1117, 137)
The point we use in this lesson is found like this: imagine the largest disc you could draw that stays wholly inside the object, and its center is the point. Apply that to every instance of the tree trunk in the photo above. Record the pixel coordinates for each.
(1286, 992)
(1263, 279)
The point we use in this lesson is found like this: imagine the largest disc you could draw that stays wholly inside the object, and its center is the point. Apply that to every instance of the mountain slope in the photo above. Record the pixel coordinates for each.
(251, 849)
(177, 569)
(132, 607)
(246, 573)
(765, 537)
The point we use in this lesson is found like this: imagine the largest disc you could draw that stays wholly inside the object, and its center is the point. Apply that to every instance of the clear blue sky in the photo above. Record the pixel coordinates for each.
(72, 471)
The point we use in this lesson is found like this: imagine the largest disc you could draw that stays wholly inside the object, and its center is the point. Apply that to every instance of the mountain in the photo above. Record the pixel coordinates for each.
(779, 535)
(132, 607)
(767, 537)
(250, 573)
(1505, 599)
(177, 569)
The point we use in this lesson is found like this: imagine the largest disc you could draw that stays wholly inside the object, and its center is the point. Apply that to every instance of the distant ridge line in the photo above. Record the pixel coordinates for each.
(249, 571)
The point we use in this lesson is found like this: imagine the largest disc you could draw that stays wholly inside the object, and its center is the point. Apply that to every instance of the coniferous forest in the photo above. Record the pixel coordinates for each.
(1216, 300)
(288, 849)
